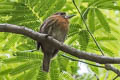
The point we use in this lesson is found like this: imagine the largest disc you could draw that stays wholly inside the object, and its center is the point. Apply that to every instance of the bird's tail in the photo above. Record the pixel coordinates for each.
(46, 63)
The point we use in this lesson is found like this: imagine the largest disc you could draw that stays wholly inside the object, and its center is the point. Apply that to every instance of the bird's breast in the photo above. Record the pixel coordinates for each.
(61, 22)
(60, 30)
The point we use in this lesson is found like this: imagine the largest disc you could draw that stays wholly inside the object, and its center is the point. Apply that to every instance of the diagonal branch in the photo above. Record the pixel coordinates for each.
(88, 28)
(82, 61)
(72, 51)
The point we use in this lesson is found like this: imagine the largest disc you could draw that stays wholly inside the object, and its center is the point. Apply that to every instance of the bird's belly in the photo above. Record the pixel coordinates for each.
(59, 34)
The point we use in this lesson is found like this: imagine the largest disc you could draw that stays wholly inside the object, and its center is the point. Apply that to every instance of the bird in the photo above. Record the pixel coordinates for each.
(56, 26)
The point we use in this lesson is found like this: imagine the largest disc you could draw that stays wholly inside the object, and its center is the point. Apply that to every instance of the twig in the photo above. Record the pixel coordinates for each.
(97, 77)
(106, 76)
(88, 28)
(82, 61)
(115, 77)
(108, 67)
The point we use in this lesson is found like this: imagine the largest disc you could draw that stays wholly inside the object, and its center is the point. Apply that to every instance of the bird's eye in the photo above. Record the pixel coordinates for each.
(62, 14)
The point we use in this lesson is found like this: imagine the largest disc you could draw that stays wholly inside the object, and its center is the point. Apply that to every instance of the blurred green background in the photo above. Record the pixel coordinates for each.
(17, 63)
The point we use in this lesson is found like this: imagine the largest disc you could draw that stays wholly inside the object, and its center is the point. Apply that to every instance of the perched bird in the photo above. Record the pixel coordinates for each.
(56, 26)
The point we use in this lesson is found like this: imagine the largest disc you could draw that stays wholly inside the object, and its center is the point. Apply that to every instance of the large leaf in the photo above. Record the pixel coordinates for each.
(13, 60)
(24, 67)
(10, 43)
(102, 20)
(74, 28)
(66, 76)
(111, 7)
(57, 5)
(28, 55)
(62, 65)
(54, 70)
(42, 75)
(91, 20)
(83, 39)
(31, 74)
(4, 72)
(99, 2)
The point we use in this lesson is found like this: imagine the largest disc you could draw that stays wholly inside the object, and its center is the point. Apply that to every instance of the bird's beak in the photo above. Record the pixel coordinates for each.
(69, 16)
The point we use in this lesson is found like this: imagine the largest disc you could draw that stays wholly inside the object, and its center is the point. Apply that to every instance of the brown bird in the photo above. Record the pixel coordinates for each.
(56, 26)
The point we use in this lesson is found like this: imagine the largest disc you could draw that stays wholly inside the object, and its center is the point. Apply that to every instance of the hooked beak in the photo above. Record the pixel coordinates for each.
(69, 16)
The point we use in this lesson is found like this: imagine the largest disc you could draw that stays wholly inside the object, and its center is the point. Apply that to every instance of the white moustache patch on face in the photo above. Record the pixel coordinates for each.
(69, 16)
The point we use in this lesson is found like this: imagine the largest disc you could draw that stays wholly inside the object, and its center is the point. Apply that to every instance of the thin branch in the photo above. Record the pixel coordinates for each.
(96, 77)
(106, 76)
(115, 77)
(110, 67)
(82, 61)
(88, 28)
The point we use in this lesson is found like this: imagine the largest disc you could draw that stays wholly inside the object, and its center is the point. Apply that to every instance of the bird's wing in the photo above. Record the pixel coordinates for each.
(46, 28)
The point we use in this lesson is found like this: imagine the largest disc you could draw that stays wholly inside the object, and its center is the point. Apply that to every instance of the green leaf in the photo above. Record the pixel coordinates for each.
(111, 7)
(102, 20)
(13, 60)
(91, 20)
(20, 77)
(85, 13)
(83, 39)
(108, 51)
(20, 13)
(62, 65)
(105, 2)
(74, 67)
(66, 76)
(54, 70)
(94, 69)
(24, 67)
(57, 5)
(4, 72)
(28, 55)
(104, 38)
(11, 42)
(71, 39)
(42, 75)
(3, 36)
(31, 74)
(105, 49)
(74, 28)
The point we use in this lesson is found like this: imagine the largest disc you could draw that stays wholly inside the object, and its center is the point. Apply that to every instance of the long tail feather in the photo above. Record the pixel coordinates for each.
(46, 63)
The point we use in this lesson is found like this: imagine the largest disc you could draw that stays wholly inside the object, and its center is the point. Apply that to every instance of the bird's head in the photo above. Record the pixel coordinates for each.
(64, 15)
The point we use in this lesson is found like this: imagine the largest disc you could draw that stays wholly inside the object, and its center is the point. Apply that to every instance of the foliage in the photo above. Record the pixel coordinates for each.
(18, 63)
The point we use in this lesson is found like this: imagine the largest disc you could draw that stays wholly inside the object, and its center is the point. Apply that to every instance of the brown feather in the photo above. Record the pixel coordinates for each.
(57, 27)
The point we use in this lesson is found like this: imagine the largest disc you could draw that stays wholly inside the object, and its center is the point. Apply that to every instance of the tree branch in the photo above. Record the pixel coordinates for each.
(72, 51)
